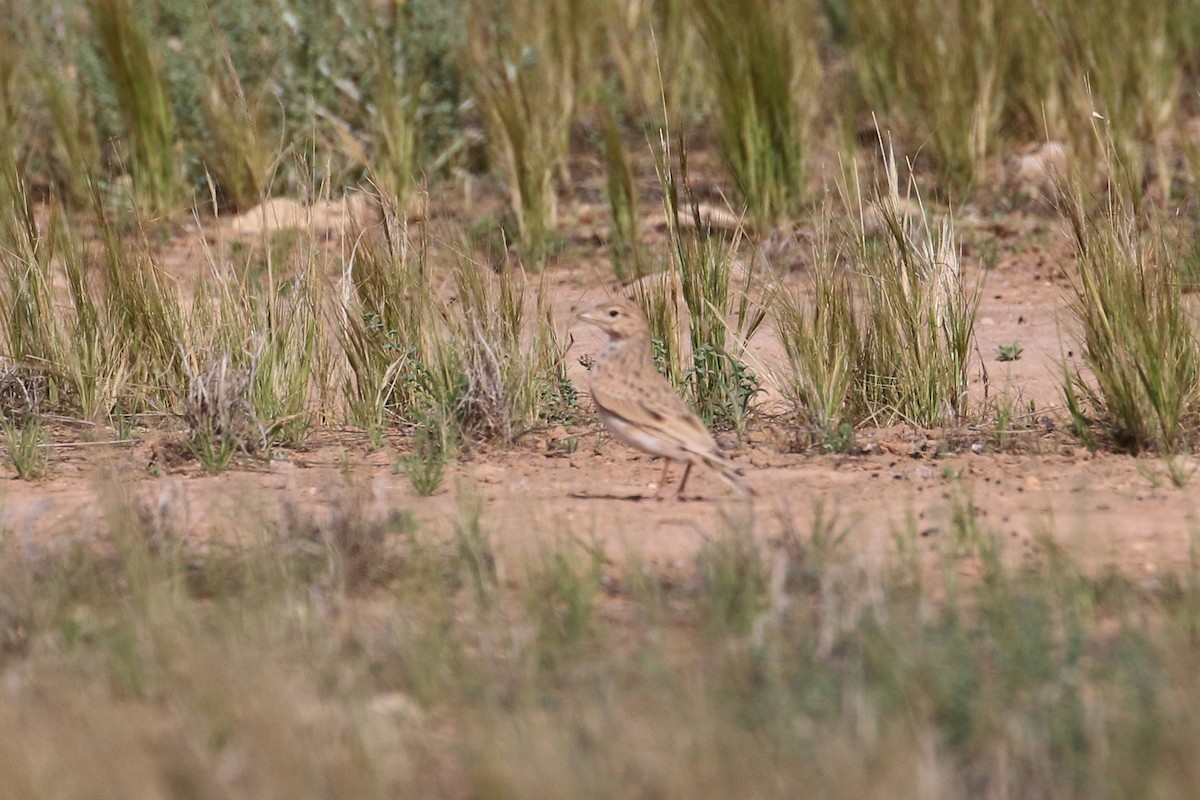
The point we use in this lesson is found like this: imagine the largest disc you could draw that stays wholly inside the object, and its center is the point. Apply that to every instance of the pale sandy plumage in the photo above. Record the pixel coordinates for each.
(638, 405)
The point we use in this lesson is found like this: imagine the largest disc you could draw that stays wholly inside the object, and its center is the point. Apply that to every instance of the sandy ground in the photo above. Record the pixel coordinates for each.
(1111, 510)
(1104, 509)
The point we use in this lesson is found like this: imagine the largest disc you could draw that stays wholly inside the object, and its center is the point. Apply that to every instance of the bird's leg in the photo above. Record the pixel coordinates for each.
(662, 481)
(683, 481)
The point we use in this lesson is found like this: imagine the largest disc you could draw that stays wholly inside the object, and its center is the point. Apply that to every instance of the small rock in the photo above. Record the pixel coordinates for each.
(760, 458)
(487, 473)
(875, 218)
(398, 706)
(757, 437)
(712, 219)
(1035, 174)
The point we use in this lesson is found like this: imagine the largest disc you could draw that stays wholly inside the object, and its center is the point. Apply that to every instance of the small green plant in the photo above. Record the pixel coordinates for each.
(725, 384)
(989, 253)
(425, 466)
(476, 555)
(482, 363)
(1009, 352)
(287, 356)
(567, 446)
(359, 540)
(560, 600)
(1180, 469)
(840, 439)
(28, 447)
(512, 368)
(659, 300)
(143, 329)
(967, 534)
(1010, 416)
(1075, 399)
(390, 332)
(887, 330)
(734, 582)
(1004, 422)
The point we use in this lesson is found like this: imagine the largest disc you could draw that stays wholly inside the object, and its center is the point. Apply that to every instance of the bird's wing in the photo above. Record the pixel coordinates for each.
(658, 410)
(664, 415)
(646, 401)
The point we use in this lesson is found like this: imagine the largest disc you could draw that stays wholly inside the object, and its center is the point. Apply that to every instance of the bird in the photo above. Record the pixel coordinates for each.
(639, 406)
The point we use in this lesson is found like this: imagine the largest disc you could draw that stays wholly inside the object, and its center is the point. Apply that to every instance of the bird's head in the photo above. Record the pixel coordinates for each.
(620, 319)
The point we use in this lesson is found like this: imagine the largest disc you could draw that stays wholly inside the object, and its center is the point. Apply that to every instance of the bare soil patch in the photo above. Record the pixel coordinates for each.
(1109, 510)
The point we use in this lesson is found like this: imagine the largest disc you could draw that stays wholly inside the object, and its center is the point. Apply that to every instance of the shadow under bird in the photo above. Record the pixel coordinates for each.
(639, 406)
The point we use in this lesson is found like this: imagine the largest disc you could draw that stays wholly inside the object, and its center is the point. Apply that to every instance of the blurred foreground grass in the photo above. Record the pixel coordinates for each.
(346, 654)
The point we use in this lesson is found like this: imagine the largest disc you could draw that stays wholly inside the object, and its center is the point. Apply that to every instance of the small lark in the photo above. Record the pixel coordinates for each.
(638, 405)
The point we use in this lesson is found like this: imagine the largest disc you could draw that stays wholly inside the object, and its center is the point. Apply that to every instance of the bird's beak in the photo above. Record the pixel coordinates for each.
(586, 316)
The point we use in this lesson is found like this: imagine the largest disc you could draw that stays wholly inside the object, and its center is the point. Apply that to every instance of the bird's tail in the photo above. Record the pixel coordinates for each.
(727, 472)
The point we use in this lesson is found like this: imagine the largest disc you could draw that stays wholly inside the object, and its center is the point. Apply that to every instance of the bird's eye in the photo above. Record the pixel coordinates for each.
(614, 313)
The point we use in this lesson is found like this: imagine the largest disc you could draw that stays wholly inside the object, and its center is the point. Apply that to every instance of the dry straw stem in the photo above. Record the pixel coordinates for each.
(1138, 336)
(513, 367)
(236, 151)
(625, 250)
(143, 97)
(919, 308)
(762, 58)
(821, 331)
(525, 69)
(724, 309)
(653, 49)
(888, 332)
(481, 355)
(955, 77)
(219, 414)
(391, 329)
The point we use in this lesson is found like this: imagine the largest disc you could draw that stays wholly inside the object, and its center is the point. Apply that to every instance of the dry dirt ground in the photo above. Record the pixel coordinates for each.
(1108, 509)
